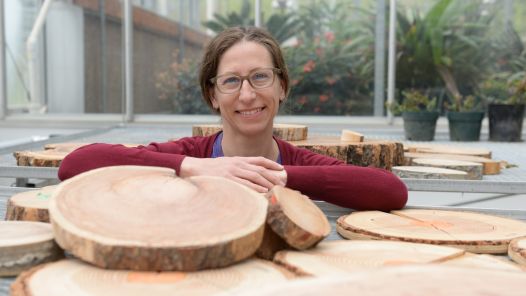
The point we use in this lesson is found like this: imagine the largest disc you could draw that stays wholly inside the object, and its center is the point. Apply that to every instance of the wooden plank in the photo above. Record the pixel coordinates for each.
(444, 149)
(473, 169)
(426, 172)
(490, 167)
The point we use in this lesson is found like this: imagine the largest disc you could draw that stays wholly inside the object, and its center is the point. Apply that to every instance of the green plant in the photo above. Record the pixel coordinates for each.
(465, 103)
(414, 101)
(180, 84)
(504, 88)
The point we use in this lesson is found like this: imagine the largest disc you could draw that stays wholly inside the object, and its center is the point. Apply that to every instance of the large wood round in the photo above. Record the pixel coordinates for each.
(426, 172)
(72, 277)
(490, 166)
(146, 218)
(287, 132)
(517, 250)
(437, 280)
(25, 244)
(474, 232)
(473, 169)
(295, 218)
(444, 149)
(375, 153)
(31, 205)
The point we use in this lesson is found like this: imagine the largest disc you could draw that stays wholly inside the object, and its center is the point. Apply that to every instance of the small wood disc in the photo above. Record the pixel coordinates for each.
(287, 132)
(45, 158)
(351, 136)
(25, 244)
(425, 172)
(73, 277)
(437, 280)
(146, 218)
(517, 250)
(473, 169)
(474, 232)
(490, 167)
(295, 218)
(31, 205)
(339, 257)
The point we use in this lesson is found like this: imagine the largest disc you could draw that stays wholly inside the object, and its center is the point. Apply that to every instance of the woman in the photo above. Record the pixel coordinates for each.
(244, 79)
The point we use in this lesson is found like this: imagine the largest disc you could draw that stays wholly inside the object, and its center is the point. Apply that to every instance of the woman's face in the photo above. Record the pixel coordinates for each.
(248, 111)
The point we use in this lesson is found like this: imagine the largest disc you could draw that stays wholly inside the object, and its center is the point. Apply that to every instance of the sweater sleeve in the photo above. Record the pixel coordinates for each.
(359, 188)
(168, 155)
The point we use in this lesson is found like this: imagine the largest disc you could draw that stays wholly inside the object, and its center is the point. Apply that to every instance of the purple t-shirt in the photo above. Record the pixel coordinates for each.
(217, 150)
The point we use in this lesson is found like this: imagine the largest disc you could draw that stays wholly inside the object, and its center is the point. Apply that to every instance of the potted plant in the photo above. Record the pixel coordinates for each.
(419, 113)
(507, 96)
(465, 116)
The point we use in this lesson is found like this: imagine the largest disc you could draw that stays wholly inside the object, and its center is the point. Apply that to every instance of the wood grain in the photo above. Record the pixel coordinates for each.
(473, 232)
(426, 172)
(444, 149)
(490, 167)
(146, 218)
(287, 132)
(31, 205)
(473, 169)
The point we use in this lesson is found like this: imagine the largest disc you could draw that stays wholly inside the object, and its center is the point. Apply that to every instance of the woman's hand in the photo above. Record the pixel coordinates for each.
(258, 173)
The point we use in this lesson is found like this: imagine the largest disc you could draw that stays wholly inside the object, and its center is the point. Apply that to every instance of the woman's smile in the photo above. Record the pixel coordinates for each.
(250, 113)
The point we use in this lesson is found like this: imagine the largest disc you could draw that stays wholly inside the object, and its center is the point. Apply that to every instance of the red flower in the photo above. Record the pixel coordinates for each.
(324, 98)
(309, 66)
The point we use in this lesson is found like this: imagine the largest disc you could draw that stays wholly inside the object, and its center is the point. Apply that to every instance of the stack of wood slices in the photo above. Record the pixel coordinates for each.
(445, 162)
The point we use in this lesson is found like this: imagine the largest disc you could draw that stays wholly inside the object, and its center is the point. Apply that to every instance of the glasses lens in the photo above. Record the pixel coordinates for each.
(261, 78)
(228, 83)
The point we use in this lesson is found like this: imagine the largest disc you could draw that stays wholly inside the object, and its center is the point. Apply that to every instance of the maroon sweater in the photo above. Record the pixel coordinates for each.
(317, 176)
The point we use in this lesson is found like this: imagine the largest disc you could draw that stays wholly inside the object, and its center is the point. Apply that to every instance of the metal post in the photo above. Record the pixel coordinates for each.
(181, 31)
(3, 85)
(379, 59)
(508, 13)
(128, 60)
(257, 14)
(391, 67)
(103, 60)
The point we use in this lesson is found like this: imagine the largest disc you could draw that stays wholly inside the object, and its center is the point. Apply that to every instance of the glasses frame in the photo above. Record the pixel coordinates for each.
(246, 77)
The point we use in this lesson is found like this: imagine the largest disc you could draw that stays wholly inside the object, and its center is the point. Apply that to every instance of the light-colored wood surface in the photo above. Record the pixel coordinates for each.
(426, 172)
(333, 258)
(73, 277)
(31, 205)
(473, 169)
(375, 153)
(490, 167)
(436, 280)
(295, 218)
(483, 261)
(25, 244)
(444, 149)
(517, 250)
(474, 232)
(287, 132)
(45, 158)
(146, 218)
(351, 136)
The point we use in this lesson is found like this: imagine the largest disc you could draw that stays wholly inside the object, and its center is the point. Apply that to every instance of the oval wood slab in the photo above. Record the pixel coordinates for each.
(339, 257)
(473, 169)
(287, 132)
(146, 218)
(474, 232)
(25, 244)
(380, 154)
(295, 218)
(517, 250)
(443, 149)
(45, 158)
(425, 172)
(437, 280)
(30, 205)
(73, 277)
(490, 167)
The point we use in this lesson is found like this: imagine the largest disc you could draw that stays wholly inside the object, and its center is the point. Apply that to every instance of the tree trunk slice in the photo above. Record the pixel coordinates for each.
(30, 205)
(25, 244)
(295, 218)
(334, 258)
(146, 218)
(287, 132)
(490, 167)
(45, 158)
(350, 136)
(517, 250)
(441, 149)
(483, 261)
(380, 154)
(73, 277)
(271, 244)
(436, 280)
(473, 232)
(427, 172)
(473, 169)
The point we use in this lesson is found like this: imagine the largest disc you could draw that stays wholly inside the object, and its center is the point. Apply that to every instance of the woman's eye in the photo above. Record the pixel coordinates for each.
(231, 80)
(260, 76)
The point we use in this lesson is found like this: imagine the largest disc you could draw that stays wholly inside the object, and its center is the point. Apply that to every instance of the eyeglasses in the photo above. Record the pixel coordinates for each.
(258, 78)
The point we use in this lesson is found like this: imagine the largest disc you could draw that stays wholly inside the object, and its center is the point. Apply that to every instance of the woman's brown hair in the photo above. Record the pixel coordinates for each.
(228, 38)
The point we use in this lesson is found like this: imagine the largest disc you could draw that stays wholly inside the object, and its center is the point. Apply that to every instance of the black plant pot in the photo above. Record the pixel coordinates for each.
(505, 122)
(420, 126)
(465, 126)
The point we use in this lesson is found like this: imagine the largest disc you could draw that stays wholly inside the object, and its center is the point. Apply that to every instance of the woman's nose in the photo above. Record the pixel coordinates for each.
(247, 92)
